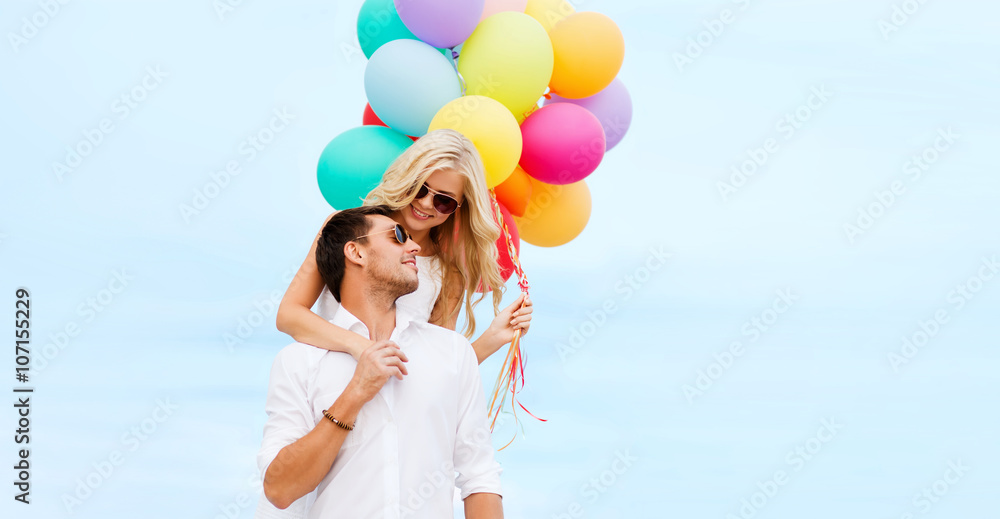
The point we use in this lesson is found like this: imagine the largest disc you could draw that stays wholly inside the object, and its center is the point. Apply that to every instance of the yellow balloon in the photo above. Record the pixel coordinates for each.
(589, 50)
(490, 126)
(554, 214)
(549, 12)
(509, 58)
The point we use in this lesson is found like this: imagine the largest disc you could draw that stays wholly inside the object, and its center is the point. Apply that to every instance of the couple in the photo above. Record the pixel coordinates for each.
(415, 431)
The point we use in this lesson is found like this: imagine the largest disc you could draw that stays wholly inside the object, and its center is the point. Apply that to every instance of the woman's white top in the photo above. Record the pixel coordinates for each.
(419, 303)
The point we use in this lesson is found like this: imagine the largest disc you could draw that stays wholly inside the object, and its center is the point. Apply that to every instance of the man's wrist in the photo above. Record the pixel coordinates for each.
(348, 405)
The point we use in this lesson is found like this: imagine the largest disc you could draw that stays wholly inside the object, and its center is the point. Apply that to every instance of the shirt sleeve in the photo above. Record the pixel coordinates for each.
(477, 470)
(289, 413)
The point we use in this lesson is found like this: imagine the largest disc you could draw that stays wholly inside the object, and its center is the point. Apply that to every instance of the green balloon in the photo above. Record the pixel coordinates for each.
(354, 161)
(379, 23)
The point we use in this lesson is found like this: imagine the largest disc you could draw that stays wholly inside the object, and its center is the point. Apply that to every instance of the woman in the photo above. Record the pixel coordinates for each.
(437, 190)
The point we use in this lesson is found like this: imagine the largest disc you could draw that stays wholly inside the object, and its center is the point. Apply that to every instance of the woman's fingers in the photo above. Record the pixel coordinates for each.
(526, 309)
(395, 363)
(514, 306)
(520, 321)
(392, 357)
(521, 316)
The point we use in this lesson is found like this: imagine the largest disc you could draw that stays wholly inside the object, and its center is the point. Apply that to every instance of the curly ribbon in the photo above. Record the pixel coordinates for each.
(512, 371)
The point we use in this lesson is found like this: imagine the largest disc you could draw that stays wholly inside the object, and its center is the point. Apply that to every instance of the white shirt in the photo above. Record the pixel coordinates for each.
(410, 439)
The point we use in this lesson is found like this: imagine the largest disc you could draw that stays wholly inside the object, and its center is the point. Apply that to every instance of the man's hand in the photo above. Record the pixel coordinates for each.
(380, 361)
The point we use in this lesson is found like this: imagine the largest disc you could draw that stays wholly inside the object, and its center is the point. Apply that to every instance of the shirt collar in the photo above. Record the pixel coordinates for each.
(348, 321)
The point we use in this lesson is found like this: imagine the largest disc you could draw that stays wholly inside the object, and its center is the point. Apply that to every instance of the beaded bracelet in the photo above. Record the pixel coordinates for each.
(337, 422)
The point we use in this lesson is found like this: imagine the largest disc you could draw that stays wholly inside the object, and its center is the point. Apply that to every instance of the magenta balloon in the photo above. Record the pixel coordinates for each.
(612, 106)
(563, 143)
(440, 23)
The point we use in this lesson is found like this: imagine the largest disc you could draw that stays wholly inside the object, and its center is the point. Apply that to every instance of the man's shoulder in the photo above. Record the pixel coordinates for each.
(298, 356)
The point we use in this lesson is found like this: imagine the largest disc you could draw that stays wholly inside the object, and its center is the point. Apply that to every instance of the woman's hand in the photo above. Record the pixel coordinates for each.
(512, 318)
(503, 327)
(358, 349)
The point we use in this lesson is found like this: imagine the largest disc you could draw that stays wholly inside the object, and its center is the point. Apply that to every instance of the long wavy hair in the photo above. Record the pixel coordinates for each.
(466, 241)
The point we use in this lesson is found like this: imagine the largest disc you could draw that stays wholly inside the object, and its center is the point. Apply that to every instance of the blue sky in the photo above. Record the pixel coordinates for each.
(150, 294)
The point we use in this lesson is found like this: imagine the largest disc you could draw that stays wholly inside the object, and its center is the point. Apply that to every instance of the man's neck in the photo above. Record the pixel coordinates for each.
(375, 309)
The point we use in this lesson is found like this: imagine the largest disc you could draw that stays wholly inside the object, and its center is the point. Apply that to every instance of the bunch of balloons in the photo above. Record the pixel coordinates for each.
(532, 83)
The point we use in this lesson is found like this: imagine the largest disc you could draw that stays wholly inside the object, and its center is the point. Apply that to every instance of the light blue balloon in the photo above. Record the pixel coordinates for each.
(407, 82)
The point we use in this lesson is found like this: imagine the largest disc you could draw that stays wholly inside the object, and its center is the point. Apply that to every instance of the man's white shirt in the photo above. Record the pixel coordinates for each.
(409, 441)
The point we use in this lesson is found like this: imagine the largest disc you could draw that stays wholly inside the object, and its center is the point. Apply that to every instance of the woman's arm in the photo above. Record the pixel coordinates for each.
(296, 318)
(501, 330)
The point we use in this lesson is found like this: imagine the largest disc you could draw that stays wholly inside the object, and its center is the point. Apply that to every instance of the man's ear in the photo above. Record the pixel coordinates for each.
(354, 254)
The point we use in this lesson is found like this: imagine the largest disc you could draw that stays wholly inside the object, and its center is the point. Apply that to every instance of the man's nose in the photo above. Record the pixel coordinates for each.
(412, 246)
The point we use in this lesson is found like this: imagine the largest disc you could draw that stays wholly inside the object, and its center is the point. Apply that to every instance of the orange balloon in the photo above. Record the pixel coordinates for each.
(514, 192)
(589, 49)
(555, 214)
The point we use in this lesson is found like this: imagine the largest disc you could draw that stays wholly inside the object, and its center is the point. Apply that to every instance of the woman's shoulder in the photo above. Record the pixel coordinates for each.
(433, 262)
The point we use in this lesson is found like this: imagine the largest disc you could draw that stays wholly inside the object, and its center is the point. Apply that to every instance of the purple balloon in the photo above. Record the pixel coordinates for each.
(440, 23)
(612, 106)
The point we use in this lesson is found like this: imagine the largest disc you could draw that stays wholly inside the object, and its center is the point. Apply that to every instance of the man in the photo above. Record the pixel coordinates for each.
(383, 436)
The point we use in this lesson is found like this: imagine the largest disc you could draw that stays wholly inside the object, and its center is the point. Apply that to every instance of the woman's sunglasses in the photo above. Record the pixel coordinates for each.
(443, 203)
(401, 234)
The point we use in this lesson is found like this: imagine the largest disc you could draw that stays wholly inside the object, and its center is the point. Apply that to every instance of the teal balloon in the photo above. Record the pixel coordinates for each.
(379, 23)
(407, 82)
(354, 161)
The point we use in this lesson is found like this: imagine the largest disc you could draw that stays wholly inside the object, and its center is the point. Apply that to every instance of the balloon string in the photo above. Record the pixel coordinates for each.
(512, 370)
(454, 65)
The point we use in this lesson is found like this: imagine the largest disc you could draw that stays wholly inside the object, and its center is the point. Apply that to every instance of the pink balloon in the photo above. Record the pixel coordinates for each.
(612, 106)
(563, 143)
(497, 6)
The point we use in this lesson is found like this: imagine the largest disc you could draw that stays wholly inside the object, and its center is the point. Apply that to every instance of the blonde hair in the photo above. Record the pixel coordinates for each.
(466, 241)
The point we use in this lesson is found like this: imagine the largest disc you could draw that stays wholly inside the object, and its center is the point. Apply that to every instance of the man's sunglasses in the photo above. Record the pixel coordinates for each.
(401, 234)
(443, 203)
